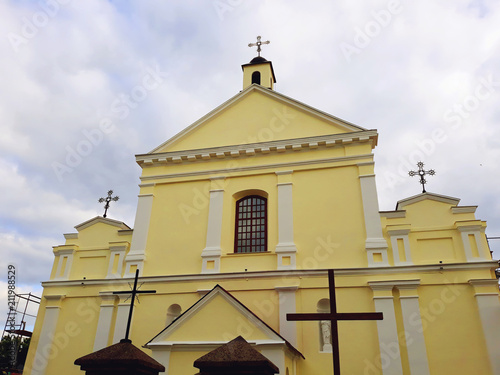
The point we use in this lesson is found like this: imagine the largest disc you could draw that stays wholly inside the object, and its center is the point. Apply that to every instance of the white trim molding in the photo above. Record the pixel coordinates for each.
(117, 253)
(121, 318)
(396, 235)
(65, 262)
(474, 251)
(412, 322)
(486, 294)
(376, 245)
(137, 253)
(387, 328)
(212, 252)
(286, 248)
(105, 318)
(287, 304)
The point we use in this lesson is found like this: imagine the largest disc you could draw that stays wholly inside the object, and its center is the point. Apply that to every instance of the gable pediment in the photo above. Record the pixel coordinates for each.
(256, 115)
(450, 201)
(215, 319)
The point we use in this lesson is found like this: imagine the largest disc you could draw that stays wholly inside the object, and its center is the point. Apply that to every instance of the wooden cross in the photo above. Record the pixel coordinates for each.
(107, 200)
(133, 293)
(333, 316)
(422, 173)
(258, 44)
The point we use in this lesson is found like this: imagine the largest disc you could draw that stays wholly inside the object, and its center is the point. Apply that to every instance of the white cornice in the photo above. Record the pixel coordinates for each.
(464, 209)
(100, 219)
(393, 214)
(279, 274)
(273, 167)
(424, 196)
(251, 149)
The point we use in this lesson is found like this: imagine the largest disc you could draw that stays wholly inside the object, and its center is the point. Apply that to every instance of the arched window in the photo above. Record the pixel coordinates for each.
(173, 312)
(325, 329)
(256, 77)
(251, 225)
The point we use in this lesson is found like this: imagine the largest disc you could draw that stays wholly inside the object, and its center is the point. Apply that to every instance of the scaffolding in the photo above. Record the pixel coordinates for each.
(11, 325)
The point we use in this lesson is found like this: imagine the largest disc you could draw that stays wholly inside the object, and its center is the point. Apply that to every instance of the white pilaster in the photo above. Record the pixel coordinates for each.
(212, 252)
(287, 305)
(137, 254)
(475, 231)
(45, 349)
(400, 234)
(121, 318)
(486, 294)
(64, 264)
(276, 355)
(387, 329)
(105, 318)
(162, 356)
(412, 321)
(376, 245)
(286, 248)
(116, 255)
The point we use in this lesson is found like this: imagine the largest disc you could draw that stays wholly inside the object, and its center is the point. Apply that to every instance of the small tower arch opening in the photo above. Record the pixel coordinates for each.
(256, 77)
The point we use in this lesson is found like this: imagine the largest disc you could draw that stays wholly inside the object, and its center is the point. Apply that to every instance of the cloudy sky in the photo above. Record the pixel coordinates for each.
(86, 85)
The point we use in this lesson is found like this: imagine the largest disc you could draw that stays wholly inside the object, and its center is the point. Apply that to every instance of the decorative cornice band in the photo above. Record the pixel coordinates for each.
(251, 149)
(258, 167)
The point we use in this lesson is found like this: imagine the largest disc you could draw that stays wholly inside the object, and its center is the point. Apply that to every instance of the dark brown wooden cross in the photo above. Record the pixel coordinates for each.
(133, 296)
(333, 316)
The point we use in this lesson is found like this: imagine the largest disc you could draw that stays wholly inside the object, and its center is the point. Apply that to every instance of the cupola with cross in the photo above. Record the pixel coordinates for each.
(258, 70)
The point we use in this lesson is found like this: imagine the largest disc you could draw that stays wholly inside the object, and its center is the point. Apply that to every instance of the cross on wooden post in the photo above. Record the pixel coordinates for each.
(258, 44)
(422, 173)
(333, 316)
(133, 296)
(107, 200)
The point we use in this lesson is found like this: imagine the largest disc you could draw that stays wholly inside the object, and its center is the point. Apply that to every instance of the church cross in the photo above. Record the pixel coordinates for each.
(258, 44)
(133, 293)
(333, 316)
(107, 200)
(422, 173)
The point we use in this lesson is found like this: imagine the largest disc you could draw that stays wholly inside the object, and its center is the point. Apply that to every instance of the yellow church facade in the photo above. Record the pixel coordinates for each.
(239, 217)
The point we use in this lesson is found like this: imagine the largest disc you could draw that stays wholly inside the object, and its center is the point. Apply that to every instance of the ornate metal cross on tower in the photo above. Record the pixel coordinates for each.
(333, 316)
(258, 44)
(107, 200)
(133, 296)
(422, 173)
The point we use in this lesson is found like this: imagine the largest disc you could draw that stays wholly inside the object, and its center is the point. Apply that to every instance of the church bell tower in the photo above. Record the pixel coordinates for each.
(258, 70)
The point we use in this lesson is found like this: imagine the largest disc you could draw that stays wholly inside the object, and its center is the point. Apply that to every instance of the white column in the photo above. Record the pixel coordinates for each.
(45, 350)
(486, 294)
(376, 245)
(474, 230)
(285, 248)
(387, 330)
(276, 355)
(412, 321)
(116, 255)
(105, 318)
(64, 264)
(161, 355)
(121, 318)
(400, 234)
(287, 305)
(137, 254)
(212, 252)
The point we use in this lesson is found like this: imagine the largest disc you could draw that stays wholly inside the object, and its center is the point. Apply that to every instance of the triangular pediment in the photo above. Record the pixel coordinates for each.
(450, 201)
(217, 318)
(101, 220)
(256, 114)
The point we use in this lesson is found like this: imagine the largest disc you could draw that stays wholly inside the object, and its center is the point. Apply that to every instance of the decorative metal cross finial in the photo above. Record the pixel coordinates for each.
(107, 200)
(133, 295)
(422, 173)
(258, 44)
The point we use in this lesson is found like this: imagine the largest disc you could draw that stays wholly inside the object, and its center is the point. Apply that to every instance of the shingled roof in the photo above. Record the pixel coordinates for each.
(236, 354)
